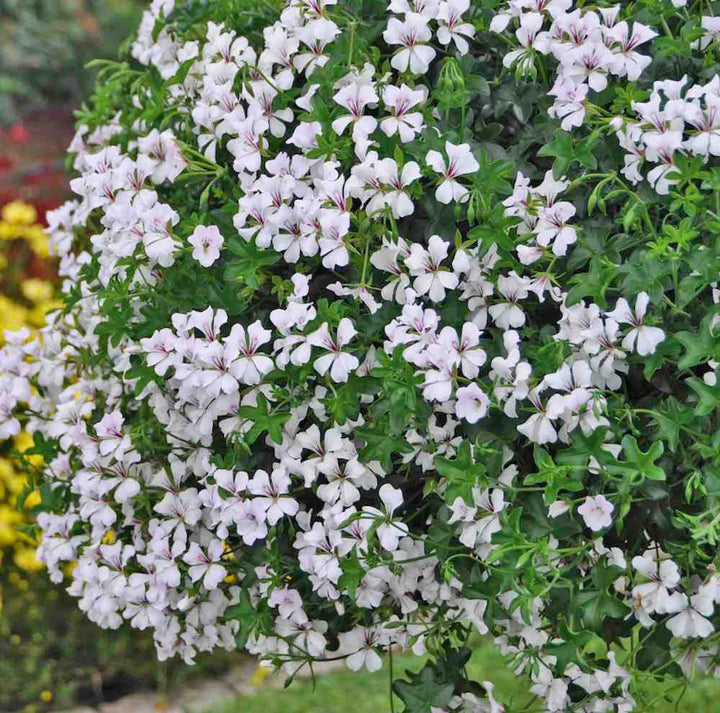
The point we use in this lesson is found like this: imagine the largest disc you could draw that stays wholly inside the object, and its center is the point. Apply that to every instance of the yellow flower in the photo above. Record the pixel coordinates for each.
(46, 696)
(9, 520)
(15, 485)
(38, 316)
(37, 290)
(12, 316)
(7, 231)
(32, 500)
(24, 441)
(19, 212)
(26, 560)
(35, 235)
(7, 472)
(259, 675)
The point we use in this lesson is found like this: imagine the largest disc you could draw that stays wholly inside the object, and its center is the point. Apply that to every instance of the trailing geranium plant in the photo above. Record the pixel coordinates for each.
(388, 323)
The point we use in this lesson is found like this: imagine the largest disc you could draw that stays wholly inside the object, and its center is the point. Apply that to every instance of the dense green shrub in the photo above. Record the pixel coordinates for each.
(45, 44)
(384, 323)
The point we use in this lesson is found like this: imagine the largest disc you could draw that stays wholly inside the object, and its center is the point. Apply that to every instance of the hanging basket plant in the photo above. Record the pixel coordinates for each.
(387, 324)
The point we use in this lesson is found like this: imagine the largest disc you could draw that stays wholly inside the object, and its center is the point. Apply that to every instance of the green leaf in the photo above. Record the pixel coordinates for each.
(557, 477)
(699, 348)
(670, 416)
(251, 263)
(565, 151)
(462, 472)
(423, 691)
(492, 176)
(597, 605)
(380, 445)
(353, 572)
(400, 381)
(264, 420)
(246, 615)
(708, 396)
(344, 404)
(566, 652)
(644, 462)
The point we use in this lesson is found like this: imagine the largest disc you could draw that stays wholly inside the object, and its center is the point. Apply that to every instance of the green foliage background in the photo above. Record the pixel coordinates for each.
(44, 45)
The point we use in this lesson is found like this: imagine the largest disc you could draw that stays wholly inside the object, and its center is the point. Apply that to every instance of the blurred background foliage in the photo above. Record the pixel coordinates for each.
(46, 43)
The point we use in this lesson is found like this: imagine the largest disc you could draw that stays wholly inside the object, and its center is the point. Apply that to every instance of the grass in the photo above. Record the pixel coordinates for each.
(343, 691)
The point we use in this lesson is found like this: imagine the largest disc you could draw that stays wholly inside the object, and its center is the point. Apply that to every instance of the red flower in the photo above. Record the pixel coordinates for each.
(19, 134)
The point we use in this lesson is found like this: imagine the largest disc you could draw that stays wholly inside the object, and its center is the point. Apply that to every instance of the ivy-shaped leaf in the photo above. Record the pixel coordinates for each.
(264, 420)
(423, 691)
(462, 472)
(565, 151)
(644, 462)
(708, 396)
(380, 445)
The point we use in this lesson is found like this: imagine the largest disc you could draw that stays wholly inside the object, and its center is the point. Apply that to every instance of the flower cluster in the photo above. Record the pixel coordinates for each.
(366, 342)
(673, 121)
(27, 295)
(589, 46)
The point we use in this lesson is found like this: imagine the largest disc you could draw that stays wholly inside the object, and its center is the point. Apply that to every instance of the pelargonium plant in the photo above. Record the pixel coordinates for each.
(385, 324)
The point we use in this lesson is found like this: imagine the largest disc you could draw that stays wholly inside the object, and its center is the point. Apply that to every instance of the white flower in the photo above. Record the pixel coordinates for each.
(472, 403)
(360, 643)
(207, 242)
(355, 97)
(390, 531)
(316, 35)
(9, 425)
(407, 124)
(425, 266)
(161, 351)
(558, 508)
(113, 441)
(507, 315)
(690, 621)
(483, 521)
(391, 178)
(463, 351)
(663, 574)
(641, 338)
(411, 34)
(626, 61)
(459, 163)
(452, 28)
(596, 511)
(288, 603)
(338, 362)
(538, 428)
(551, 227)
(249, 144)
(164, 151)
(251, 521)
(245, 364)
(272, 491)
(569, 102)
(334, 226)
(439, 382)
(523, 57)
(203, 564)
